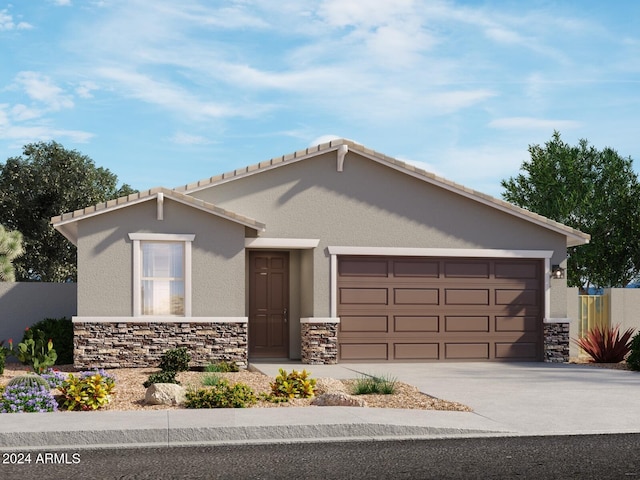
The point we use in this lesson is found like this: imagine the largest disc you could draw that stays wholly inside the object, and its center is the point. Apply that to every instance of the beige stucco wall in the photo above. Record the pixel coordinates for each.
(573, 308)
(624, 304)
(369, 204)
(105, 259)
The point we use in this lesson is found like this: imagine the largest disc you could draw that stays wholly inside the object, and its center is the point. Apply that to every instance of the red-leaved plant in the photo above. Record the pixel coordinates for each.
(605, 345)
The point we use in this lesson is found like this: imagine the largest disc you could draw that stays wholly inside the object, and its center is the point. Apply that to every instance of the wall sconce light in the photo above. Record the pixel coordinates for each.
(557, 272)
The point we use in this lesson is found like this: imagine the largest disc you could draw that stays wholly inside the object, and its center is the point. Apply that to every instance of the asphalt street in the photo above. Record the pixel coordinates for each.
(588, 457)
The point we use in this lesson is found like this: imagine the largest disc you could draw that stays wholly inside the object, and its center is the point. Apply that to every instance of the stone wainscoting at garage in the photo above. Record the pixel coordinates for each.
(319, 341)
(141, 344)
(556, 341)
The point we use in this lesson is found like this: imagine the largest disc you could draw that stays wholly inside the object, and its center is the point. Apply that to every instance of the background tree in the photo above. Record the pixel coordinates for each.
(10, 249)
(48, 180)
(594, 191)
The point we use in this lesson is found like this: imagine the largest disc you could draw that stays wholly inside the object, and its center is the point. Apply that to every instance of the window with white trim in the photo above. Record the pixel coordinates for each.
(161, 274)
(162, 278)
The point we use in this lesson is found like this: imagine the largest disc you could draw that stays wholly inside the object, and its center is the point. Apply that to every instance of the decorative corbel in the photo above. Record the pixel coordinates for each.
(342, 152)
(160, 204)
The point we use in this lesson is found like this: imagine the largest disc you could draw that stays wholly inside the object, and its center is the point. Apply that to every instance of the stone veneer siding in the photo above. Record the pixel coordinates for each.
(133, 344)
(319, 343)
(556, 342)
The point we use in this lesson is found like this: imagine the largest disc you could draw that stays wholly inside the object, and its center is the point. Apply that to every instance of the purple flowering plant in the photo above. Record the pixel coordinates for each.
(27, 398)
(54, 377)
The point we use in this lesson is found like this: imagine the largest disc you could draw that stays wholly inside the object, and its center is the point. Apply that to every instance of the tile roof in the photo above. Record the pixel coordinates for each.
(66, 223)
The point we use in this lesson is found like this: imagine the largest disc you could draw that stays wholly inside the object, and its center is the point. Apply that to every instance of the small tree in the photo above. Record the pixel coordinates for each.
(595, 191)
(10, 249)
(46, 181)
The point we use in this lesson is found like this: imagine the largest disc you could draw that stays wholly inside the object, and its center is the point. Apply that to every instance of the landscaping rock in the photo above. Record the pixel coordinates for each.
(338, 400)
(165, 394)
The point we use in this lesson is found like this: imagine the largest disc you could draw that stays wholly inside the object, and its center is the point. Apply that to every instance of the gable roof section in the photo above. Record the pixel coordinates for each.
(67, 223)
(342, 146)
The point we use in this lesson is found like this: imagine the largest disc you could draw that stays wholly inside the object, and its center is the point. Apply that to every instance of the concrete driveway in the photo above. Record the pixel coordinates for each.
(525, 398)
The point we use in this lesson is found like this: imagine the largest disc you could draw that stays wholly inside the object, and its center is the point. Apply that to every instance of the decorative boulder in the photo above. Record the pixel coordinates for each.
(165, 394)
(338, 400)
(329, 385)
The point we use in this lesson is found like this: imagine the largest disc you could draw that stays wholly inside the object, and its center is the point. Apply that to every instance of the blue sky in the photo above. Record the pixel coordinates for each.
(164, 93)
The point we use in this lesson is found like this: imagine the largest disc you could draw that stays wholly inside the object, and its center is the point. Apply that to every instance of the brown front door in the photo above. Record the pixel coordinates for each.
(268, 304)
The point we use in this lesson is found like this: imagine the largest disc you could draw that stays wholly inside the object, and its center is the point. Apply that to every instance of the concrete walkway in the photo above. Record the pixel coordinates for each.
(508, 399)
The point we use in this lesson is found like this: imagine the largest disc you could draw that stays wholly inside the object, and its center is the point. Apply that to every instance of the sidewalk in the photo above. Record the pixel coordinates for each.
(182, 427)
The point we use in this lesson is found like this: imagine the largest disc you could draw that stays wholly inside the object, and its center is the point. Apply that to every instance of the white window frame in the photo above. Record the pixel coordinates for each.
(187, 239)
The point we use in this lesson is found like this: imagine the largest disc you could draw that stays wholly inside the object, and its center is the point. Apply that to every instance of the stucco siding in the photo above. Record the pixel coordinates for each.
(105, 259)
(369, 204)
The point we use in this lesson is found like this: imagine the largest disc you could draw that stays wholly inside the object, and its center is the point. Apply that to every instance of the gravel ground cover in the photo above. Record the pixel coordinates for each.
(129, 391)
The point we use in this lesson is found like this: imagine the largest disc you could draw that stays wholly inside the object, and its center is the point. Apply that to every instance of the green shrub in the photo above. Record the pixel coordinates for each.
(293, 385)
(4, 353)
(35, 351)
(633, 360)
(221, 395)
(60, 331)
(605, 345)
(271, 398)
(87, 391)
(31, 380)
(222, 367)
(371, 384)
(165, 376)
(211, 380)
(175, 360)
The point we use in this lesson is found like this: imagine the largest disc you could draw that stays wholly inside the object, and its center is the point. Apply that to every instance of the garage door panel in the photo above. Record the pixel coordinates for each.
(364, 324)
(416, 268)
(416, 351)
(516, 297)
(364, 351)
(466, 351)
(363, 267)
(454, 296)
(469, 269)
(416, 324)
(521, 350)
(516, 324)
(466, 324)
(416, 296)
(369, 296)
(513, 270)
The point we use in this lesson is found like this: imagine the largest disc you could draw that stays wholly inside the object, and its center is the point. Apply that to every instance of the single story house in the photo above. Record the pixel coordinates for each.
(332, 254)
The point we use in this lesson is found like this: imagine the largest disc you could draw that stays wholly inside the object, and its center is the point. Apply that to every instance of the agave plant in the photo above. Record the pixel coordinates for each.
(604, 344)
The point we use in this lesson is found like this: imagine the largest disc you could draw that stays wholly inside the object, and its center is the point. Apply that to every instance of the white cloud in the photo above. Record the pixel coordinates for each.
(164, 94)
(41, 88)
(27, 134)
(182, 138)
(22, 113)
(62, 3)
(7, 22)
(323, 139)
(533, 123)
(84, 89)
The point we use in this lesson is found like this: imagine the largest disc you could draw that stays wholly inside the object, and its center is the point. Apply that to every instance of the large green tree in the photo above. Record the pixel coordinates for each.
(10, 249)
(48, 180)
(595, 191)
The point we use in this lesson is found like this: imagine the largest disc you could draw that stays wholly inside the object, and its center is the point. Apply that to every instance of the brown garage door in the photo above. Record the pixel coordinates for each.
(413, 309)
